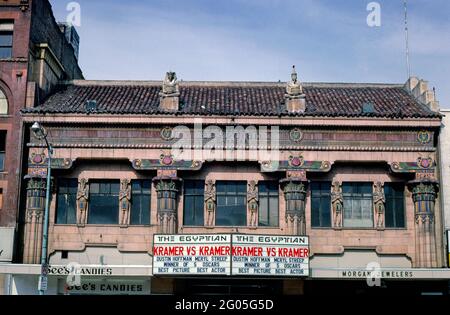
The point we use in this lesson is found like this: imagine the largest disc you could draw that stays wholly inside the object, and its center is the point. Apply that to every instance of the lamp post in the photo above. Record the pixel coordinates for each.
(41, 134)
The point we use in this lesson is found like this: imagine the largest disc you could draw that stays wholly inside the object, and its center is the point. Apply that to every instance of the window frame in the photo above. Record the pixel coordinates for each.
(4, 97)
(116, 182)
(135, 196)
(197, 194)
(386, 184)
(321, 196)
(360, 197)
(269, 195)
(3, 137)
(7, 29)
(72, 194)
(237, 195)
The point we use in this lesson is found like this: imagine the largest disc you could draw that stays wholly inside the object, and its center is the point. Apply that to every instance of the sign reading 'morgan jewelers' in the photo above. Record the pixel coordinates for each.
(231, 254)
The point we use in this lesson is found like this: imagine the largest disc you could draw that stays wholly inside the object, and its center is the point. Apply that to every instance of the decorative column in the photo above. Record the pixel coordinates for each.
(125, 202)
(34, 219)
(337, 202)
(252, 204)
(294, 188)
(167, 188)
(210, 202)
(424, 193)
(379, 201)
(82, 201)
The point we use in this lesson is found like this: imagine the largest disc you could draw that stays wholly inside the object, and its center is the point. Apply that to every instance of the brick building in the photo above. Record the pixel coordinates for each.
(144, 170)
(352, 166)
(35, 56)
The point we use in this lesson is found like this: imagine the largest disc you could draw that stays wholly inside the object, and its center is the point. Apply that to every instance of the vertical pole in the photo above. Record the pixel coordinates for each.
(46, 218)
(408, 66)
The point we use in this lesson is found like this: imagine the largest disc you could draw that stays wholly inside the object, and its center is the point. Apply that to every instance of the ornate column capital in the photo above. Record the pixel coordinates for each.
(167, 189)
(424, 193)
(295, 190)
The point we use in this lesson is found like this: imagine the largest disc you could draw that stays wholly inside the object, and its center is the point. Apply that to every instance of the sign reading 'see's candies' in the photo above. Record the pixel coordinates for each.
(192, 254)
(231, 254)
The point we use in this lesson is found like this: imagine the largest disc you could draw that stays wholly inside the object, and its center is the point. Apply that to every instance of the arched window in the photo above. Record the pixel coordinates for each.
(3, 103)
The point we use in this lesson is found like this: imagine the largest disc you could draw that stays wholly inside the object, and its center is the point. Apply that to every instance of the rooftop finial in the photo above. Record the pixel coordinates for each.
(294, 77)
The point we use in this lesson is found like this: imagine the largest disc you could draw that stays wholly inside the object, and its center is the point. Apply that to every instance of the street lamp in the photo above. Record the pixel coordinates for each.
(41, 134)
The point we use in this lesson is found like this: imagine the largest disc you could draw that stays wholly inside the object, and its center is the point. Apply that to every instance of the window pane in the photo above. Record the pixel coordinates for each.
(321, 204)
(104, 203)
(194, 203)
(94, 188)
(399, 213)
(263, 211)
(232, 210)
(395, 206)
(136, 186)
(315, 212)
(325, 206)
(140, 202)
(146, 186)
(3, 106)
(273, 212)
(389, 212)
(72, 208)
(189, 216)
(61, 212)
(358, 204)
(268, 203)
(199, 210)
(66, 209)
(6, 39)
(5, 52)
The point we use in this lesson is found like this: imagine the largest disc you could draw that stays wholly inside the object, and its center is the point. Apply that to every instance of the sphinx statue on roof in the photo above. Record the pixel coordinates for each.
(294, 88)
(170, 84)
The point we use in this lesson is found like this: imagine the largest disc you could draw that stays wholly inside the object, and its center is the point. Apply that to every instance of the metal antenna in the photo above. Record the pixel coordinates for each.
(408, 65)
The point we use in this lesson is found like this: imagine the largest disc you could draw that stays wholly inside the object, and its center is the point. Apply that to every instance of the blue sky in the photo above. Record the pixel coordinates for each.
(259, 40)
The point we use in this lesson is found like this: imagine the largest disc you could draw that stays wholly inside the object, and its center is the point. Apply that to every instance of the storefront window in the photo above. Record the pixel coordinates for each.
(231, 203)
(66, 209)
(268, 204)
(358, 204)
(321, 204)
(104, 202)
(395, 205)
(194, 195)
(140, 202)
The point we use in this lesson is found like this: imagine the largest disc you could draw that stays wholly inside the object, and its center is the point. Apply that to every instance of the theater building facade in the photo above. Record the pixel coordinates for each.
(348, 170)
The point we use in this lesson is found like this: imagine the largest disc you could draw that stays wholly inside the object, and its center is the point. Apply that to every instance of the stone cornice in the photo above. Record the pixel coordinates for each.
(301, 148)
(114, 120)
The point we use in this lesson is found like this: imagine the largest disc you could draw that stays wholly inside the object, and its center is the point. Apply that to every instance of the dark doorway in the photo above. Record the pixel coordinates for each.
(229, 287)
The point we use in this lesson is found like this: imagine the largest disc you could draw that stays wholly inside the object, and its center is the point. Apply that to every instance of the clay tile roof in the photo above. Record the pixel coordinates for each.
(234, 98)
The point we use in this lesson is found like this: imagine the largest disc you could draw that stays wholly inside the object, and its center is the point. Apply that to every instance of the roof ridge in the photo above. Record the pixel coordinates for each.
(230, 83)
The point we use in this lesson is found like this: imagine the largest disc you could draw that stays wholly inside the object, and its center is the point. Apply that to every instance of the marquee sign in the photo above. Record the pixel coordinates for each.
(265, 255)
(192, 254)
(231, 254)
